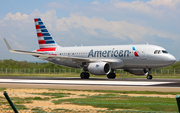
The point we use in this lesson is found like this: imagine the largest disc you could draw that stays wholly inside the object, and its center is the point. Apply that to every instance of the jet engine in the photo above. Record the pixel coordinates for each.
(99, 68)
(136, 71)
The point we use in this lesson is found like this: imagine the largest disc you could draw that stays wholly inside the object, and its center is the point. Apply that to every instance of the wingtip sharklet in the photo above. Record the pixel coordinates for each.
(8, 46)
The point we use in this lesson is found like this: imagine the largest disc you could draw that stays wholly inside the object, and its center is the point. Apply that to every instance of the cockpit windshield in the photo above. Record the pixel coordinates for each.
(164, 51)
(160, 51)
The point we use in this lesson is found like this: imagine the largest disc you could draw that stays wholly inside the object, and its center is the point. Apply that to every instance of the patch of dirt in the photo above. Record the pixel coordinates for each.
(77, 94)
(24, 93)
(47, 104)
(5, 106)
(28, 90)
(82, 92)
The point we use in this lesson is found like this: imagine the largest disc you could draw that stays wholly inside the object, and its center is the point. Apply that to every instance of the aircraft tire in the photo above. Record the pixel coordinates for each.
(111, 76)
(84, 75)
(87, 75)
(149, 77)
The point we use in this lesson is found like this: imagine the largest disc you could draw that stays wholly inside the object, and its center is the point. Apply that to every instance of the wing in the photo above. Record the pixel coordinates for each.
(78, 60)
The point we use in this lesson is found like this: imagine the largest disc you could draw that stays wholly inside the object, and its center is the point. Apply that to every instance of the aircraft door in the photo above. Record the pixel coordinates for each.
(143, 53)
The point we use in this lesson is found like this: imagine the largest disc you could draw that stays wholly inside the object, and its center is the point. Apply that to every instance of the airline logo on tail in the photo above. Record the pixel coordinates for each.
(45, 40)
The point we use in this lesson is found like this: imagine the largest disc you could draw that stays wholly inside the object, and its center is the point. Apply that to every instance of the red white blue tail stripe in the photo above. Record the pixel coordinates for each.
(45, 40)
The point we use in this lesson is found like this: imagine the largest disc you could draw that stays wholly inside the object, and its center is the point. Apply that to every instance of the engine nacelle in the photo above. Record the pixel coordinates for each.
(136, 71)
(99, 68)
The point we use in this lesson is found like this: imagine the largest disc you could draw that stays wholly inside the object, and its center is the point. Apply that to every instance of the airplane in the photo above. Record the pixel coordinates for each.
(99, 60)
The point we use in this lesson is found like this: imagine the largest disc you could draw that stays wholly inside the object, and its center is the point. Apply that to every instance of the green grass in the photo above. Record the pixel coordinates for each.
(17, 100)
(9, 108)
(3, 103)
(121, 92)
(21, 107)
(2, 89)
(139, 92)
(38, 109)
(43, 75)
(3, 100)
(63, 111)
(36, 98)
(54, 95)
(114, 101)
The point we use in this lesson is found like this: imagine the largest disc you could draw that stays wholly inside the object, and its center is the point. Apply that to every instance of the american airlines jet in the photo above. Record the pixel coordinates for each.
(99, 60)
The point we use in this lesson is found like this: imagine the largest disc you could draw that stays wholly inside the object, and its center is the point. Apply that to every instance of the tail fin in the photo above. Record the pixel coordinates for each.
(45, 40)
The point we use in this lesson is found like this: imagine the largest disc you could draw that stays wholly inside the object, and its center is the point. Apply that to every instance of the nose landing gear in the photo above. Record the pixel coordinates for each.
(149, 77)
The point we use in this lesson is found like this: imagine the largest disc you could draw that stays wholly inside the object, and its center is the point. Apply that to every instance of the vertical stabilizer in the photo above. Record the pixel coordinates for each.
(45, 40)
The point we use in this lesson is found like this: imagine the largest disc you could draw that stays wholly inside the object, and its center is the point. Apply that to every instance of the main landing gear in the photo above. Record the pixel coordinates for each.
(84, 75)
(111, 75)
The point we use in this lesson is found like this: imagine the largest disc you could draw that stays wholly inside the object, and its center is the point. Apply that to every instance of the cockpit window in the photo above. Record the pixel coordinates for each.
(164, 51)
(156, 52)
(160, 51)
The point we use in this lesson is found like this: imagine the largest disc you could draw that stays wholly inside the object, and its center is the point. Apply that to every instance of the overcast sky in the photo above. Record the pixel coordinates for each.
(89, 22)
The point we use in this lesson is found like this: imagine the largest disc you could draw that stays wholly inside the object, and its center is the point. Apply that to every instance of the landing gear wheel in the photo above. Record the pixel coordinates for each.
(111, 76)
(84, 75)
(149, 77)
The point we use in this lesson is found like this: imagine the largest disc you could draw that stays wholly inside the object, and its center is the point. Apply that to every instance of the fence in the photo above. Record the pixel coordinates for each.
(60, 102)
(154, 72)
(38, 71)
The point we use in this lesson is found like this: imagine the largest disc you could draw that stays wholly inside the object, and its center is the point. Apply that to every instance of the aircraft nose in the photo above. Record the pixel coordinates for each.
(171, 59)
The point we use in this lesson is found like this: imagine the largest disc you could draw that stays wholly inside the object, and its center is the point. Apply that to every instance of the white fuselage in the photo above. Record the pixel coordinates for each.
(122, 56)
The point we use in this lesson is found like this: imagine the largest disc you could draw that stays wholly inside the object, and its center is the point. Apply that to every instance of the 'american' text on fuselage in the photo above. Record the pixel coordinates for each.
(109, 53)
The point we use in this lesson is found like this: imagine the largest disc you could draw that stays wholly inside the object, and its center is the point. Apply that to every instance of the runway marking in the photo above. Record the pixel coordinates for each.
(86, 82)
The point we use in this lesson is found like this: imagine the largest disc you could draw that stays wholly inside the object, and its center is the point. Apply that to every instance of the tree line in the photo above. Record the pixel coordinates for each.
(9, 63)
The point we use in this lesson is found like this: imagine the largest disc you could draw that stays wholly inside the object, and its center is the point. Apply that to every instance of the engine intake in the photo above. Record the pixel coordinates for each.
(99, 68)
